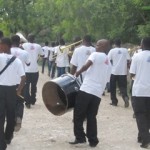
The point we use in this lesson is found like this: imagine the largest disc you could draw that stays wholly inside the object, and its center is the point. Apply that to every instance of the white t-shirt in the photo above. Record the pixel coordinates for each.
(62, 59)
(52, 52)
(34, 51)
(140, 66)
(119, 58)
(21, 54)
(46, 50)
(80, 56)
(97, 75)
(10, 76)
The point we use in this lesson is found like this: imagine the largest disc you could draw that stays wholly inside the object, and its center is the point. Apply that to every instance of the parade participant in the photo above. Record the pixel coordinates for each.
(32, 73)
(51, 63)
(81, 54)
(120, 59)
(88, 99)
(62, 59)
(140, 70)
(8, 91)
(46, 50)
(24, 57)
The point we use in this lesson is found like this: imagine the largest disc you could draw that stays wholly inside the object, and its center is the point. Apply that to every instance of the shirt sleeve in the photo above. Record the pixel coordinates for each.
(128, 56)
(74, 59)
(27, 60)
(92, 57)
(133, 67)
(41, 52)
(110, 55)
(20, 69)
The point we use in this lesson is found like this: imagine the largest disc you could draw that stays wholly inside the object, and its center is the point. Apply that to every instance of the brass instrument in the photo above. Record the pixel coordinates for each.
(69, 46)
(22, 38)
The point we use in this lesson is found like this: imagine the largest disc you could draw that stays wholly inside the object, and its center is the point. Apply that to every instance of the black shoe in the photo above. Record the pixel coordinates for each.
(147, 145)
(77, 142)
(126, 102)
(93, 144)
(8, 141)
(139, 140)
(113, 104)
(28, 106)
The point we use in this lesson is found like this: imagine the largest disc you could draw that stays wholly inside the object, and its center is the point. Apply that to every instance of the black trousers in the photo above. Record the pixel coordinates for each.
(31, 87)
(86, 106)
(142, 114)
(121, 80)
(43, 64)
(20, 106)
(7, 110)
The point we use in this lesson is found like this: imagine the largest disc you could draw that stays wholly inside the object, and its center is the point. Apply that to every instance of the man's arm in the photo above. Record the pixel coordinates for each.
(21, 85)
(73, 69)
(84, 68)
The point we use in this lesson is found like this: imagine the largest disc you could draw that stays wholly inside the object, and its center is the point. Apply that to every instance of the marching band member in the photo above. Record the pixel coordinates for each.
(32, 73)
(8, 92)
(46, 50)
(98, 69)
(81, 54)
(24, 57)
(140, 71)
(62, 59)
(120, 59)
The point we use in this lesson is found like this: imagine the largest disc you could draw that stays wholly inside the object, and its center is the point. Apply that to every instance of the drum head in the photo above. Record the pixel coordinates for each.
(54, 98)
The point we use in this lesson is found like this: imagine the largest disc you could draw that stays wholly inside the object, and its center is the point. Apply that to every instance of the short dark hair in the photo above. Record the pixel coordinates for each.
(46, 43)
(15, 39)
(53, 44)
(117, 42)
(31, 37)
(6, 41)
(87, 38)
(1, 34)
(62, 42)
(146, 43)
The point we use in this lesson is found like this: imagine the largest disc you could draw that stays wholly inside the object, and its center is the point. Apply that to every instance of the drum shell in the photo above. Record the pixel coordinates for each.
(59, 94)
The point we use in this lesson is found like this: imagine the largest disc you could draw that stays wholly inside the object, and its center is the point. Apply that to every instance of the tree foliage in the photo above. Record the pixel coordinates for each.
(53, 19)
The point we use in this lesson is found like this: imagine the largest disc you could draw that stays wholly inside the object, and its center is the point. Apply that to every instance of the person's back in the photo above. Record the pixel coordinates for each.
(119, 57)
(97, 75)
(21, 54)
(81, 55)
(34, 51)
(8, 78)
(142, 80)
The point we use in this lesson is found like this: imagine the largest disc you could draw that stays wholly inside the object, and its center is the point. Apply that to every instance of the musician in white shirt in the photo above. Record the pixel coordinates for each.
(9, 91)
(32, 71)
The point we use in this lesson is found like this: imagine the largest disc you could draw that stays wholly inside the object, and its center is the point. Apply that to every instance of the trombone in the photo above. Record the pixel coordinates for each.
(67, 47)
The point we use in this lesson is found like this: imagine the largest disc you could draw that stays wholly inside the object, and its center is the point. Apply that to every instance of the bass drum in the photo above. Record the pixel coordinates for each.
(59, 94)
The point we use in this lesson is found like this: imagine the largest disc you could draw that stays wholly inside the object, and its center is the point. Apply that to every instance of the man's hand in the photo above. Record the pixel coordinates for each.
(77, 73)
(18, 92)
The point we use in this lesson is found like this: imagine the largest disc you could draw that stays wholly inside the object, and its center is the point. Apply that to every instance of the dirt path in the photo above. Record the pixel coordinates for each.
(43, 131)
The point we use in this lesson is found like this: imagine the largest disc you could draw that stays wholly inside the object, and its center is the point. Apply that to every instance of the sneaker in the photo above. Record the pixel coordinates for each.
(18, 124)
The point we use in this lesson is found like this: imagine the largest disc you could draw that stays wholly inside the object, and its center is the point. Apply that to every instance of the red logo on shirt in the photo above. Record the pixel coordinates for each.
(32, 47)
(107, 62)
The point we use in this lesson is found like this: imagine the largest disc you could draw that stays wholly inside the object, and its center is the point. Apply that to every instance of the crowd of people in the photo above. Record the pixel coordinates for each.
(94, 67)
